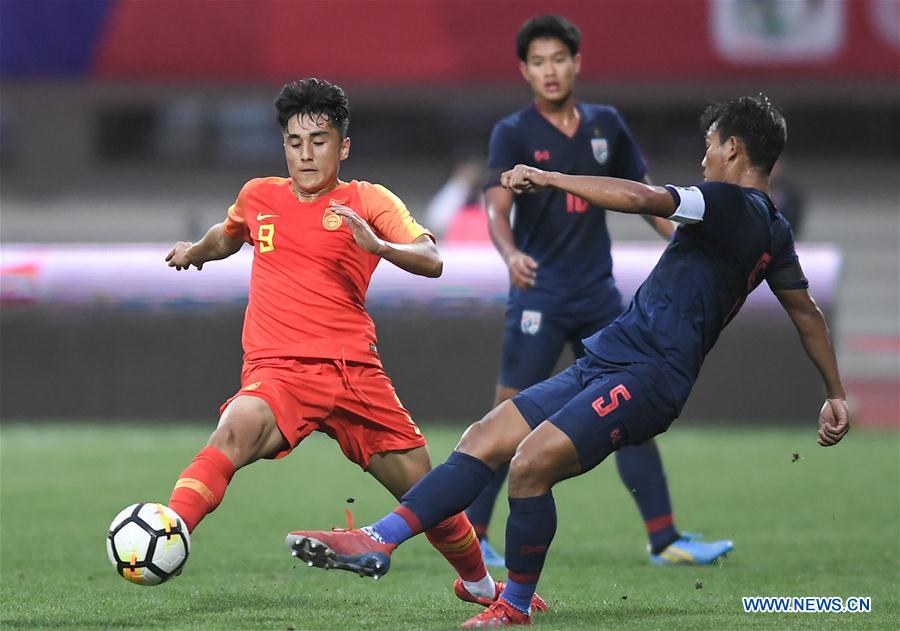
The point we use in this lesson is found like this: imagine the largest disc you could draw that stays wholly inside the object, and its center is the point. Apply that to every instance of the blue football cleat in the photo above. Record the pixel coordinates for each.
(689, 550)
(492, 558)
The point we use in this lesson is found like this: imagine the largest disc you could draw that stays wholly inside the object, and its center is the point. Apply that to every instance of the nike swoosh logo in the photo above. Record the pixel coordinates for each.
(261, 216)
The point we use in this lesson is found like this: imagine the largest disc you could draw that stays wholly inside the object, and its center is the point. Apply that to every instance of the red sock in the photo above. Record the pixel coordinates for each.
(455, 539)
(201, 487)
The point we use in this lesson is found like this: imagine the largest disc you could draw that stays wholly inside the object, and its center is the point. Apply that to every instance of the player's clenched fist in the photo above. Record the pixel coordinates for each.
(834, 422)
(524, 179)
(178, 257)
(363, 234)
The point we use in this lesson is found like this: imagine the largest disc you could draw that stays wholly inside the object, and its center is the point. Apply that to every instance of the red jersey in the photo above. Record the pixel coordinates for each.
(309, 277)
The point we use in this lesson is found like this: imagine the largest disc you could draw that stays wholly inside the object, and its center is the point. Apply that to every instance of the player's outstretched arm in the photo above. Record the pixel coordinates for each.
(214, 245)
(522, 268)
(624, 196)
(661, 225)
(421, 257)
(834, 420)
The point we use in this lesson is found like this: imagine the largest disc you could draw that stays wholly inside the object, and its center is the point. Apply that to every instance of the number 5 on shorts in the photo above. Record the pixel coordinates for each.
(619, 392)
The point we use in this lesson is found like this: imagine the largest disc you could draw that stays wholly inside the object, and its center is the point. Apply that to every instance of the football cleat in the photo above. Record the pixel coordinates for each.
(459, 588)
(339, 549)
(499, 614)
(689, 550)
(492, 558)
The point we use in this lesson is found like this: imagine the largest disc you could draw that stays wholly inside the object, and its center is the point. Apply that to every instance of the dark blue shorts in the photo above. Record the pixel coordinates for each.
(601, 407)
(534, 339)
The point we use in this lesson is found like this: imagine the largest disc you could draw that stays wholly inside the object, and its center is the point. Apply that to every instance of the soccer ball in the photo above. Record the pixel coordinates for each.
(148, 543)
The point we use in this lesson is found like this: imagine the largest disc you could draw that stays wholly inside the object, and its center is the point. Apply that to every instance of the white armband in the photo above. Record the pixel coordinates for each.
(691, 204)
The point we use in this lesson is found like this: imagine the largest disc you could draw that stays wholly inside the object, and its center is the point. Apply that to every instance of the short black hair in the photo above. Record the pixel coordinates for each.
(555, 26)
(316, 97)
(756, 121)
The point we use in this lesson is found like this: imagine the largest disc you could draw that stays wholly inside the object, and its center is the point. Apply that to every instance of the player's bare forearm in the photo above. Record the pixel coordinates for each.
(624, 196)
(522, 268)
(421, 257)
(663, 227)
(214, 245)
(817, 343)
(498, 204)
(815, 337)
(834, 417)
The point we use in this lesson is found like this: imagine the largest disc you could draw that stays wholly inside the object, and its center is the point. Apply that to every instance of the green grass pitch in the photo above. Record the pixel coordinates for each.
(825, 524)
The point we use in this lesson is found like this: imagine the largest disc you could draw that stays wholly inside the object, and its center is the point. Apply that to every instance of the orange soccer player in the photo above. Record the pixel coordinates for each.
(310, 356)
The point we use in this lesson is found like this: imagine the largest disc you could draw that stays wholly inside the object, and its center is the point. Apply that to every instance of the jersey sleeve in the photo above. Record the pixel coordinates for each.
(627, 162)
(388, 215)
(235, 221)
(785, 271)
(717, 198)
(504, 152)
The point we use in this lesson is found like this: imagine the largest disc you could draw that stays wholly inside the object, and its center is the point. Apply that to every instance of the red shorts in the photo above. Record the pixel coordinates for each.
(355, 404)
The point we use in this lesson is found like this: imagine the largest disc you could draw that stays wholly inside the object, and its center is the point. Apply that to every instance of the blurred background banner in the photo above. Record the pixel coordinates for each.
(453, 42)
(128, 125)
(49, 276)
(120, 327)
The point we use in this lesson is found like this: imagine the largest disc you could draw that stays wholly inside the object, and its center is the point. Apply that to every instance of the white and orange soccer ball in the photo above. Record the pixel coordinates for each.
(148, 543)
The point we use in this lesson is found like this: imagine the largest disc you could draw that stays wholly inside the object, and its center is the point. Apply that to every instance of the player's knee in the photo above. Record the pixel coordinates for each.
(244, 431)
(480, 441)
(494, 438)
(474, 438)
(530, 474)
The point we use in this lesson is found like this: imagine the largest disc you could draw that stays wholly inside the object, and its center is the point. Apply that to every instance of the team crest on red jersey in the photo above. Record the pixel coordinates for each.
(332, 221)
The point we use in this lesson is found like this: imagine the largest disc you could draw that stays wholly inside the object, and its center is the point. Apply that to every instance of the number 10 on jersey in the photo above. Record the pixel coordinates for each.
(575, 204)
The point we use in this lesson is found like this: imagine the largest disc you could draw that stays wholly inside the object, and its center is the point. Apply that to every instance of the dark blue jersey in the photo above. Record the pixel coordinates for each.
(700, 283)
(565, 235)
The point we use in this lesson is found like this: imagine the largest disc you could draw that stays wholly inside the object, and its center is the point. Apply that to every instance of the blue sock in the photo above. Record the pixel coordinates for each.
(480, 511)
(519, 594)
(641, 470)
(391, 528)
(529, 532)
(445, 491)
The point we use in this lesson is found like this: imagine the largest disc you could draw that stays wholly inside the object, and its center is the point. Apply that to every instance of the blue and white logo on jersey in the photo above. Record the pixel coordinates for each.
(601, 149)
(531, 322)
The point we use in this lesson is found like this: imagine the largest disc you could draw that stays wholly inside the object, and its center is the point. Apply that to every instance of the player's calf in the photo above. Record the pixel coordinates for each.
(201, 487)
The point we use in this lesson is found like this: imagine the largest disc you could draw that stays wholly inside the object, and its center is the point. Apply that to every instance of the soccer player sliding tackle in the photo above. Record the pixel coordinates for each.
(310, 356)
(638, 372)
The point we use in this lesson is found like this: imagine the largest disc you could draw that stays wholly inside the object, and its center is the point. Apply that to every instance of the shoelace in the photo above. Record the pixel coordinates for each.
(349, 515)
